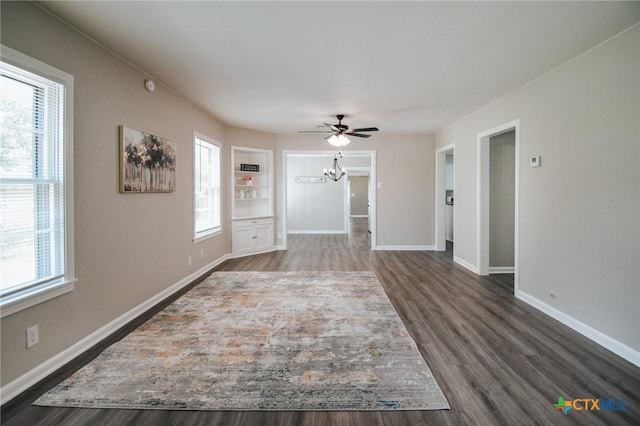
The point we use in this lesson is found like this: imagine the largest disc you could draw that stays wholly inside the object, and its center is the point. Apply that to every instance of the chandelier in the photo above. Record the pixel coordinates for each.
(335, 173)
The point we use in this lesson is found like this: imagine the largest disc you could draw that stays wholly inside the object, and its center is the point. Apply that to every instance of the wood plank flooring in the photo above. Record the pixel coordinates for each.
(497, 360)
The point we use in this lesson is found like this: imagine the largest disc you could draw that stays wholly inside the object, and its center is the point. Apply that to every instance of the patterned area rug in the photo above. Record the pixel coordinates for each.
(263, 341)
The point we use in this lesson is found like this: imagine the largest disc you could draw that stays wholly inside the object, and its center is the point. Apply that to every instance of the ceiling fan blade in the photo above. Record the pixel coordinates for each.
(360, 135)
(366, 129)
(327, 137)
(332, 127)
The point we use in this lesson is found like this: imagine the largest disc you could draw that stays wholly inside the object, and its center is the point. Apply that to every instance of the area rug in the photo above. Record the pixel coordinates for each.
(263, 341)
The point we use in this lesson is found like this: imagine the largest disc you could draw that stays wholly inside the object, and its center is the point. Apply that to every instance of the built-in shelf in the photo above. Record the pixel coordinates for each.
(255, 200)
(252, 205)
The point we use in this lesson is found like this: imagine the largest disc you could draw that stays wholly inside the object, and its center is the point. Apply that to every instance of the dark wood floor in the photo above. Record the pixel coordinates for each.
(497, 360)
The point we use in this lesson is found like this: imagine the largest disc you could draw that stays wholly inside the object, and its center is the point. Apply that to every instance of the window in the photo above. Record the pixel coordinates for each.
(206, 187)
(36, 199)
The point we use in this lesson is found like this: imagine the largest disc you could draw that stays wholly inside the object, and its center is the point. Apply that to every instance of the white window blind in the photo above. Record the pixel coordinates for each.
(206, 187)
(32, 182)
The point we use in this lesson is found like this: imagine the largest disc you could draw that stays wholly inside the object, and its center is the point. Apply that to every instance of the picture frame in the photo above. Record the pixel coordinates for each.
(249, 167)
(147, 162)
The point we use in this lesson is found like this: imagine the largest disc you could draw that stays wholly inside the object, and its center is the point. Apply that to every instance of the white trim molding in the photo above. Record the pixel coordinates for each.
(405, 248)
(501, 269)
(33, 376)
(34, 296)
(618, 348)
(470, 266)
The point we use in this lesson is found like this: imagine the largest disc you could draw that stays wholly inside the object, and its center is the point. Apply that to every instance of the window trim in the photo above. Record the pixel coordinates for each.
(33, 295)
(202, 236)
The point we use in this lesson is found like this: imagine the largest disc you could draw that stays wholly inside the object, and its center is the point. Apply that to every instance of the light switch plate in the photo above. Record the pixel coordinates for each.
(535, 161)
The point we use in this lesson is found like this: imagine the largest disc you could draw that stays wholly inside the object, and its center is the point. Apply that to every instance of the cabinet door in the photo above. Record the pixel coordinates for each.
(263, 237)
(243, 241)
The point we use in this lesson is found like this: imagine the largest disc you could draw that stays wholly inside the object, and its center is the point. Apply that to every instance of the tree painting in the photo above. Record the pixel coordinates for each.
(147, 163)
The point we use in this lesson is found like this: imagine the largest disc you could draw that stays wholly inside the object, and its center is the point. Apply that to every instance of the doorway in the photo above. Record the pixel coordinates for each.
(305, 208)
(499, 210)
(445, 198)
(359, 201)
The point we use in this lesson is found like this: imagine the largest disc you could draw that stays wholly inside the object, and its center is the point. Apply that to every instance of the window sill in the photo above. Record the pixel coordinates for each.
(204, 237)
(32, 296)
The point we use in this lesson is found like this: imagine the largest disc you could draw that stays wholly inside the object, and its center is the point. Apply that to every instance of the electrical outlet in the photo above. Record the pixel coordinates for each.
(202, 254)
(279, 235)
(33, 336)
(189, 261)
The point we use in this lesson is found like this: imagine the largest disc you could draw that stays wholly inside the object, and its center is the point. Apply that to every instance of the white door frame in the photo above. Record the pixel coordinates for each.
(329, 154)
(441, 160)
(483, 198)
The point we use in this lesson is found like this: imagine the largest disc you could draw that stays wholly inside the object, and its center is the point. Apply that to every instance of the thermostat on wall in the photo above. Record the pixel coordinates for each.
(535, 161)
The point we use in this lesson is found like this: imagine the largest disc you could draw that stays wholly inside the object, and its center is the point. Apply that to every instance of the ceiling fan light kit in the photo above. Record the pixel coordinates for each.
(339, 140)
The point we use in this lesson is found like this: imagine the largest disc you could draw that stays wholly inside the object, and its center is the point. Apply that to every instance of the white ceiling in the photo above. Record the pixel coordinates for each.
(409, 67)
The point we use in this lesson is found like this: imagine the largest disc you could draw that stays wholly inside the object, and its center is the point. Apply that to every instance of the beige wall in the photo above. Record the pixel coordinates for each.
(405, 211)
(128, 247)
(579, 212)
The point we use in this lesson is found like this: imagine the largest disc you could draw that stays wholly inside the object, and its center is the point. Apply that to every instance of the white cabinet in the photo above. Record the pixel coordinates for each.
(252, 236)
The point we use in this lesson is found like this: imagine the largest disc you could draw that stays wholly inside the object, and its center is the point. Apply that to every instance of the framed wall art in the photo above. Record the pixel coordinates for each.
(147, 162)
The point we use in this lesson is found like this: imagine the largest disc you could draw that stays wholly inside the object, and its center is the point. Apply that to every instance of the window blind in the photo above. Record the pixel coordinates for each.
(32, 198)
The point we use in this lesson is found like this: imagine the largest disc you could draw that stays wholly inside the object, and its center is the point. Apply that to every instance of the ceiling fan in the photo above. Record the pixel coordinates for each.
(338, 132)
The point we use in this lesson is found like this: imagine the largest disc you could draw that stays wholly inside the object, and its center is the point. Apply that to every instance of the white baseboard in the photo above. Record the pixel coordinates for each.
(618, 348)
(502, 269)
(279, 247)
(404, 248)
(315, 232)
(465, 264)
(358, 215)
(33, 376)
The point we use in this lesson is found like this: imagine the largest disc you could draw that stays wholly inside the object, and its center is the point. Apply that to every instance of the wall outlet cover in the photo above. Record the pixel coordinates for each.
(33, 336)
